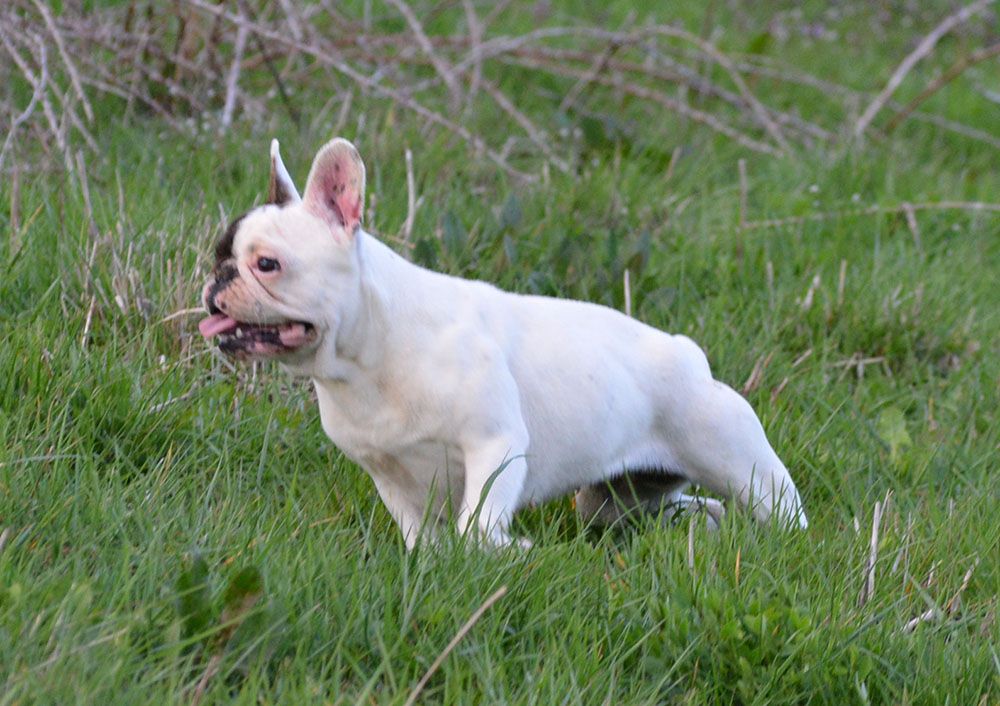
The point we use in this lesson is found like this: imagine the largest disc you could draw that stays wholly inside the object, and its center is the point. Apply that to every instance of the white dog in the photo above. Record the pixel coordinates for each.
(453, 394)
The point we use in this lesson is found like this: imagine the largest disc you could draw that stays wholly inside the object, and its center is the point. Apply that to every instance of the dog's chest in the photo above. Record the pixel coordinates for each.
(389, 435)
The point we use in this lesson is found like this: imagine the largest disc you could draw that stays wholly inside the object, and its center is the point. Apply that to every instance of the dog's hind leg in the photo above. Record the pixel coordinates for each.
(717, 440)
(721, 446)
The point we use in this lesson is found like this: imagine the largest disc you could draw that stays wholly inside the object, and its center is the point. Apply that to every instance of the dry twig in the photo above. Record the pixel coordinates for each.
(627, 287)
(475, 39)
(952, 606)
(540, 140)
(211, 74)
(756, 374)
(67, 61)
(868, 589)
(505, 45)
(672, 104)
(941, 81)
(440, 65)
(690, 551)
(925, 47)
(935, 613)
(411, 198)
(974, 206)
(338, 64)
(233, 81)
(17, 121)
(56, 127)
(462, 631)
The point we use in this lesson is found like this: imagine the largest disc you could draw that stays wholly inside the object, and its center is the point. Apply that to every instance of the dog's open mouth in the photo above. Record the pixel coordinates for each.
(248, 340)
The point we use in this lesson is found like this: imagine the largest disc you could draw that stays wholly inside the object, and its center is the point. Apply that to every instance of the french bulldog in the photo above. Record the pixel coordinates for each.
(467, 402)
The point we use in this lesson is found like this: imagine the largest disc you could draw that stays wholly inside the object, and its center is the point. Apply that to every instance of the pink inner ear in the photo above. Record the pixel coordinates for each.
(338, 197)
(352, 210)
(344, 201)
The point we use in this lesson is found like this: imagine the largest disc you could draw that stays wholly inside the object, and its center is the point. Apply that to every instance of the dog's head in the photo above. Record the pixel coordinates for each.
(287, 273)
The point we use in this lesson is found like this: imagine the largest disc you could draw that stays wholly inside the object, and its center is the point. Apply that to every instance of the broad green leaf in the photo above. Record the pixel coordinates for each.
(194, 604)
(245, 586)
(891, 428)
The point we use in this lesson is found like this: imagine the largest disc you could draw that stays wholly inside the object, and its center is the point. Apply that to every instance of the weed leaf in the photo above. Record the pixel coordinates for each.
(891, 428)
(194, 603)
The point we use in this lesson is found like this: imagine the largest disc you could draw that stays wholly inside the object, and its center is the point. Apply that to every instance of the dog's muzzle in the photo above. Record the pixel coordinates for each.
(247, 339)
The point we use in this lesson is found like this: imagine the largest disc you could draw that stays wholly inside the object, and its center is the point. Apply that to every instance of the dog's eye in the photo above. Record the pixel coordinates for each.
(268, 264)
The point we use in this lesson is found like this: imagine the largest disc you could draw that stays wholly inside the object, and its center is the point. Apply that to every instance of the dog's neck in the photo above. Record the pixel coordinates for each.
(364, 332)
(364, 326)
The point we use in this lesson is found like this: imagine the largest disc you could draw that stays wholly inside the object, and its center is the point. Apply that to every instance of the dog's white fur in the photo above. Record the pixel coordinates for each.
(453, 393)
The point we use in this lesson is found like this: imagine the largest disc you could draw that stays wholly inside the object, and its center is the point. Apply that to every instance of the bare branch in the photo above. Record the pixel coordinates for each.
(220, 64)
(534, 134)
(598, 65)
(475, 39)
(373, 85)
(57, 131)
(698, 116)
(873, 210)
(232, 83)
(925, 47)
(505, 45)
(70, 66)
(440, 65)
(941, 81)
(957, 128)
(39, 90)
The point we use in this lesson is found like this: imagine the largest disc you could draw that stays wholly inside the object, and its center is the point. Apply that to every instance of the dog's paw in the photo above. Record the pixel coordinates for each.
(505, 541)
(714, 512)
(498, 539)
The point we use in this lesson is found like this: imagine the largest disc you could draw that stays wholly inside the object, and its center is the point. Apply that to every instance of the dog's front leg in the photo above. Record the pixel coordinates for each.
(495, 471)
(408, 516)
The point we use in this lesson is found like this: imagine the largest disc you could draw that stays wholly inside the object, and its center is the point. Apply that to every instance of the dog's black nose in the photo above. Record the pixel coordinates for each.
(224, 273)
(208, 297)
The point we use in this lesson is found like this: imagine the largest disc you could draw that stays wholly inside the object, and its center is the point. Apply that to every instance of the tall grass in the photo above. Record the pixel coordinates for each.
(176, 529)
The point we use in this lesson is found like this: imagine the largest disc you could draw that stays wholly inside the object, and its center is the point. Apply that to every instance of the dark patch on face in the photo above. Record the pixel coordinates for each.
(224, 247)
(225, 272)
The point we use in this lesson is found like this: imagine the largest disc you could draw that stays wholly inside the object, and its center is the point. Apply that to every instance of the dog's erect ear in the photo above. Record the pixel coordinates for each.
(335, 190)
(281, 190)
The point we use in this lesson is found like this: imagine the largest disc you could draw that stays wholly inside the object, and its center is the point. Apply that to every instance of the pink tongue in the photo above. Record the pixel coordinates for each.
(293, 335)
(216, 324)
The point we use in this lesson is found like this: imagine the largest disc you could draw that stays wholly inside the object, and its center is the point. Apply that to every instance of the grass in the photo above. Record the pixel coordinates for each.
(164, 516)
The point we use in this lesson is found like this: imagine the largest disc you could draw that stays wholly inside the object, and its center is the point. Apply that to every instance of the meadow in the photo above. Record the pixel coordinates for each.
(178, 529)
